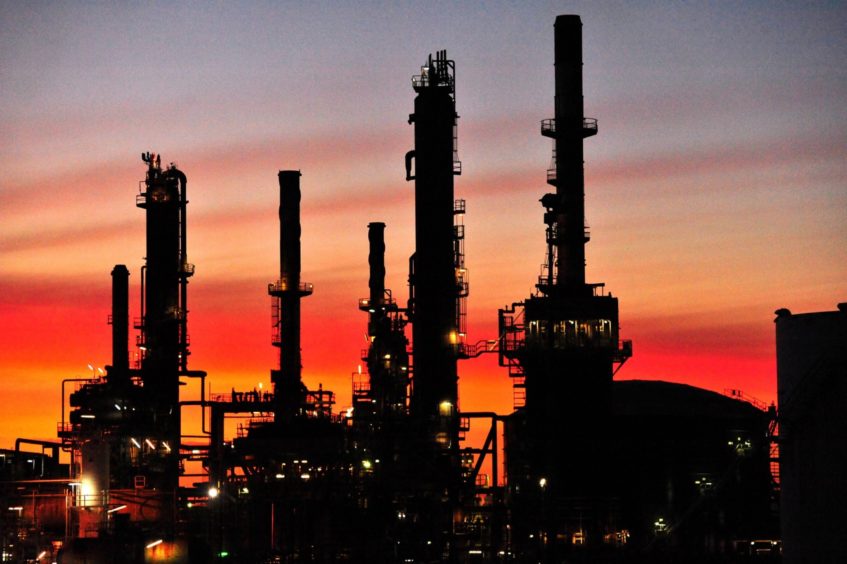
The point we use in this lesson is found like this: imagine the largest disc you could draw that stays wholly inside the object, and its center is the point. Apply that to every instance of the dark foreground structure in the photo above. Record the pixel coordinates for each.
(812, 388)
(594, 470)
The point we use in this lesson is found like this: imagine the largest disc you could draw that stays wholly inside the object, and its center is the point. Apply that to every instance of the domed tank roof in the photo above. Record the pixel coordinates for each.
(658, 398)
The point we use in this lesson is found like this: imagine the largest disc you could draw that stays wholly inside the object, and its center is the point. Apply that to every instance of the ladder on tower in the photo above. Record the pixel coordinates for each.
(518, 377)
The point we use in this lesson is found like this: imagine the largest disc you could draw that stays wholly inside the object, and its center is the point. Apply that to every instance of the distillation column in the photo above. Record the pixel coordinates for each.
(433, 276)
(164, 342)
(287, 292)
(433, 303)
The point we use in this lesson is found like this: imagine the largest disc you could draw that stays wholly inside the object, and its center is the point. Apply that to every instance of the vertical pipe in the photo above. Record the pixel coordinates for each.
(183, 266)
(570, 187)
(120, 322)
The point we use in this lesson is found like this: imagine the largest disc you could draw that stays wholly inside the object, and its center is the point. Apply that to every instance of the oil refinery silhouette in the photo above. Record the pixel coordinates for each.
(584, 469)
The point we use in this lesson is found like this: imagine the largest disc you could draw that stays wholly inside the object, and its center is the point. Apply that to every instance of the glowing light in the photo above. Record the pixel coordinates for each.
(151, 445)
(445, 408)
(543, 483)
(41, 555)
(453, 337)
(136, 443)
(167, 447)
(366, 464)
(117, 407)
(280, 476)
(87, 491)
(116, 509)
(304, 476)
(214, 492)
(87, 416)
(155, 543)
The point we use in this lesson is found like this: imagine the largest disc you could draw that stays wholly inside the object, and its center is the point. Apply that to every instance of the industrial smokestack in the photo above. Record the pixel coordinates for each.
(568, 131)
(376, 261)
(288, 387)
(120, 321)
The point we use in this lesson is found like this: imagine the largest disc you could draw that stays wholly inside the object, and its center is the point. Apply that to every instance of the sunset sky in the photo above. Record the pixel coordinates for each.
(716, 190)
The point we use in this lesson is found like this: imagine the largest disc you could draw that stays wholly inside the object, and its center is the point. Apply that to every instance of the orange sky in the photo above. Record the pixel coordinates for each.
(715, 191)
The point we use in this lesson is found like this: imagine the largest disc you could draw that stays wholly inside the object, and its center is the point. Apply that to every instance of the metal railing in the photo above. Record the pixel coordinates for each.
(282, 286)
(366, 302)
(548, 126)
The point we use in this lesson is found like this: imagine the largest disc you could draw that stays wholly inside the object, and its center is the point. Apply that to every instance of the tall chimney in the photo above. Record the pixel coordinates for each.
(569, 130)
(288, 387)
(120, 321)
(376, 261)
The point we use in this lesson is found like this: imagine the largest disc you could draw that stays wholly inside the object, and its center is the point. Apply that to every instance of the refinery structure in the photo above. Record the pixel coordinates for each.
(584, 469)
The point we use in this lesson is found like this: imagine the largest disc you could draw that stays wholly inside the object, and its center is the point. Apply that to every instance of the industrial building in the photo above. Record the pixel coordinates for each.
(594, 470)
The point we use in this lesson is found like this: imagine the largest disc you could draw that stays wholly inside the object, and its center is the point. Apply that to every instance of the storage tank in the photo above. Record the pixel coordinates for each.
(812, 392)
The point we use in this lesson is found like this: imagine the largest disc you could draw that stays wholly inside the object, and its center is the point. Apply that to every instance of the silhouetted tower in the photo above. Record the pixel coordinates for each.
(561, 344)
(164, 338)
(286, 293)
(434, 303)
(387, 359)
(565, 216)
(434, 292)
(119, 320)
(376, 262)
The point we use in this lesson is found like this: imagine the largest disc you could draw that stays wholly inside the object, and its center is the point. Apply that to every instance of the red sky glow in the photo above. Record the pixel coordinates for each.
(715, 190)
